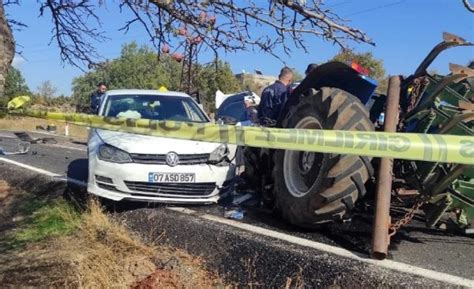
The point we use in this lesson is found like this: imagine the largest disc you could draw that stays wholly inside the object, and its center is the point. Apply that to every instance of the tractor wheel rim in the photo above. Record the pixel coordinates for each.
(300, 169)
(307, 161)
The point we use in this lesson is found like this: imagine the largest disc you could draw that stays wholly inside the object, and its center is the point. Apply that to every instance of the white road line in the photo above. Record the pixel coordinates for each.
(387, 264)
(48, 134)
(31, 168)
(55, 176)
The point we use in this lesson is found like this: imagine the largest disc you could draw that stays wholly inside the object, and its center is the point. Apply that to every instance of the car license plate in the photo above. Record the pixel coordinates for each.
(171, 177)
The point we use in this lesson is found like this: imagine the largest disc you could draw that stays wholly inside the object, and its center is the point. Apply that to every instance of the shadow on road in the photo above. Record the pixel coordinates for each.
(79, 143)
(74, 192)
(354, 235)
(78, 170)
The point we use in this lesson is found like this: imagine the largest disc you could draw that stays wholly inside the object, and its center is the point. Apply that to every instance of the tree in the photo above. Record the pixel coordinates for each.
(220, 25)
(47, 90)
(7, 49)
(468, 5)
(367, 60)
(297, 76)
(15, 84)
(212, 77)
(139, 67)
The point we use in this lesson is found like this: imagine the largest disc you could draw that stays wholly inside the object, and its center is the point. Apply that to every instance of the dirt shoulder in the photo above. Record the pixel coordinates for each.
(48, 242)
(13, 123)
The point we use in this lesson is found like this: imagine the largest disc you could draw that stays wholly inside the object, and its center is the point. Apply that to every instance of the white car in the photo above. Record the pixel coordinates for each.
(124, 166)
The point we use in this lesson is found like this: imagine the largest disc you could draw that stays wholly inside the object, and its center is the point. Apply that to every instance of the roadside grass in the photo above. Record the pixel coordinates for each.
(56, 245)
(105, 253)
(44, 220)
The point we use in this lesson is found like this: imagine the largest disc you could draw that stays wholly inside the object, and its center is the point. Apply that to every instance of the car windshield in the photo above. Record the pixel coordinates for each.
(155, 107)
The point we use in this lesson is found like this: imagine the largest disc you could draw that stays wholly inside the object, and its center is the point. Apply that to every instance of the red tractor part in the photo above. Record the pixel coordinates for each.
(359, 68)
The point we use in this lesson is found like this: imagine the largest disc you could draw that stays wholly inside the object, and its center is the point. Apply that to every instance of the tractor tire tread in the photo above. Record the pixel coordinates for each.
(345, 175)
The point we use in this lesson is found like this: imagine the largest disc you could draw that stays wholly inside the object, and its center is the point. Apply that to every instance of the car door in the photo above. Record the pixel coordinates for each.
(232, 110)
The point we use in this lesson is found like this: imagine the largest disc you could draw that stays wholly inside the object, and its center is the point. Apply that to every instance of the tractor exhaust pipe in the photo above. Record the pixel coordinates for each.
(380, 237)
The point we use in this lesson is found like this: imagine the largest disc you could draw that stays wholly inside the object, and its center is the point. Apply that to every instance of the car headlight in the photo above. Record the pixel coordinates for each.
(219, 154)
(112, 154)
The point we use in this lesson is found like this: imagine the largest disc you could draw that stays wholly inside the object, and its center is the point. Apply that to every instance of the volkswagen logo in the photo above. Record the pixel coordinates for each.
(172, 159)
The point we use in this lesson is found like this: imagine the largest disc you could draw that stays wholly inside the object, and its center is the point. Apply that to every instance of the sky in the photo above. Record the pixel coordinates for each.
(404, 32)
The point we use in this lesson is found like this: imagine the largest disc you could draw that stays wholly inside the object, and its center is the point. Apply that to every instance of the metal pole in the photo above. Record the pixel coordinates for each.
(380, 237)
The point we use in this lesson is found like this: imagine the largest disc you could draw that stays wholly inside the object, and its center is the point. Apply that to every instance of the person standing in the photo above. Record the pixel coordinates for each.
(272, 101)
(274, 97)
(96, 98)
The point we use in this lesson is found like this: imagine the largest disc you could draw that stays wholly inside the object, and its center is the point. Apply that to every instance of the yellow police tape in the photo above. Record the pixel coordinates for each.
(409, 146)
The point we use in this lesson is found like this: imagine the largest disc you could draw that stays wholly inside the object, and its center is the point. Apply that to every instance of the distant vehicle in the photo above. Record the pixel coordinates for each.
(124, 166)
(232, 109)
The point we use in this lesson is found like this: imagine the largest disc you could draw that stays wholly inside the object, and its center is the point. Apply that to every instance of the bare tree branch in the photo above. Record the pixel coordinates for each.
(224, 25)
(468, 5)
(10, 2)
(14, 24)
(73, 31)
(272, 26)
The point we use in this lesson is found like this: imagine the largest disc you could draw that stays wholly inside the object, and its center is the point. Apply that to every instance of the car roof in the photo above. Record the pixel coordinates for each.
(146, 92)
(234, 98)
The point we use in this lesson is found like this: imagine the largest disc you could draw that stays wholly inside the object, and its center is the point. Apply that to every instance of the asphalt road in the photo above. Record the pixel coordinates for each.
(414, 245)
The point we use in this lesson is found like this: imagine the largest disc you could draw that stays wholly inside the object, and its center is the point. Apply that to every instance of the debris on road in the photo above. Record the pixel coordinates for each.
(242, 199)
(27, 138)
(23, 148)
(235, 214)
(50, 128)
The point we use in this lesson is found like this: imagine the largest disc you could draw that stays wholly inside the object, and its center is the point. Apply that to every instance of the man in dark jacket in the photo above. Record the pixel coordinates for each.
(96, 97)
(274, 97)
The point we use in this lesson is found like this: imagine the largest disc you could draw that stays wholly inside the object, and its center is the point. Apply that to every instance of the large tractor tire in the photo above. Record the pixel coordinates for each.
(314, 188)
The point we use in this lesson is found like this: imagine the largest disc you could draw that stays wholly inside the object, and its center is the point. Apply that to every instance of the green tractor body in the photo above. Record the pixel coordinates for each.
(441, 105)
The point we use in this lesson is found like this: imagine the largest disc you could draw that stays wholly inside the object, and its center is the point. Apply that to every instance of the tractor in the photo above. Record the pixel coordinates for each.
(310, 189)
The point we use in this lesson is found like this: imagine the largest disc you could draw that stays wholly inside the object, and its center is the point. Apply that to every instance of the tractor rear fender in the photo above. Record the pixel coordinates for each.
(338, 75)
